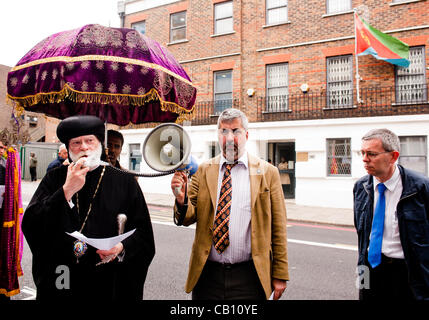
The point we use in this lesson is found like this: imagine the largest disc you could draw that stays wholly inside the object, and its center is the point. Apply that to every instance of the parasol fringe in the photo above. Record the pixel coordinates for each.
(99, 98)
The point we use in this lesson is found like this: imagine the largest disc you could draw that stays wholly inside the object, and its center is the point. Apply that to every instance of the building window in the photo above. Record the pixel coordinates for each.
(276, 11)
(339, 157)
(277, 87)
(411, 81)
(222, 90)
(139, 26)
(178, 26)
(414, 153)
(32, 121)
(336, 6)
(135, 157)
(340, 82)
(223, 18)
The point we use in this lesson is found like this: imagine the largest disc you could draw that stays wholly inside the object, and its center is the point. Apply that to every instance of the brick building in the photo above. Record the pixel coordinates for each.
(33, 122)
(290, 66)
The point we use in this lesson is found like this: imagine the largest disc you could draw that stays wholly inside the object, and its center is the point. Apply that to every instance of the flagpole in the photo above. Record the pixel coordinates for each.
(357, 63)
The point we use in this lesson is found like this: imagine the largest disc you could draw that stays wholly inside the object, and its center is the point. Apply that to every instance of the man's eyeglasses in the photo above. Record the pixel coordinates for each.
(370, 154)
(236, 132)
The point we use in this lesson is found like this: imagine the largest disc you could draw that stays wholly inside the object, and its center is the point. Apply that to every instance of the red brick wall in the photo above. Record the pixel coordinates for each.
(307, 63)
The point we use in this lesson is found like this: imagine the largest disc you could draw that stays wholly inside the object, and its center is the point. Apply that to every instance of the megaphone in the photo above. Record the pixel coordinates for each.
(167, 148)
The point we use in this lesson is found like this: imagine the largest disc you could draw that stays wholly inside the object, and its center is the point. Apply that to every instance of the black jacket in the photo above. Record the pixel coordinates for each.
(413, 220)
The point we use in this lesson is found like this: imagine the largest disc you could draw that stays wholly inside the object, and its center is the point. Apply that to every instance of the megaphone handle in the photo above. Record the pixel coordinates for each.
(177, 190)
(179, 220)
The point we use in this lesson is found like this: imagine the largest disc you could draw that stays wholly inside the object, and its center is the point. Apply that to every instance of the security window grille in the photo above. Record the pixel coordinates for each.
(339, 82)
(222, 91)
(178, 26)
(414, 153)
(139, 26)
(277, 87)
(339, 157)
(276, 11)
(411, 81)
(223, 17)
(335, 6)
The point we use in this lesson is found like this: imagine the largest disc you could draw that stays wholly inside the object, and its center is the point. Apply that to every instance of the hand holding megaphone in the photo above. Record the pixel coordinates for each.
(178, 186)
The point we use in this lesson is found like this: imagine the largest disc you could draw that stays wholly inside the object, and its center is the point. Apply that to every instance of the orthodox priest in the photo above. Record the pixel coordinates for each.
(88, 197)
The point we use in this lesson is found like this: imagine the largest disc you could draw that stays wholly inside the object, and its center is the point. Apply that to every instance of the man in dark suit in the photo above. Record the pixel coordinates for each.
(391, 216)
(61, 157)
(236, 200)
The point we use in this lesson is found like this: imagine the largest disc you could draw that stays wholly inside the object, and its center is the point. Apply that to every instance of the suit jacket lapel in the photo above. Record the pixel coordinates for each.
(212, 177)
(255, 173)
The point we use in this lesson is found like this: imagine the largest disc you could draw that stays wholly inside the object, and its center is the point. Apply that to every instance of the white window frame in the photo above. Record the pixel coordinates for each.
(339, 82)
(135, 153)
(406, 154)
(277, 103)
(172, 28)
(410, 82)
(219, 20)
(221, 104)
(340, 160)
(273, 8)
(135, 26)
(332, 5)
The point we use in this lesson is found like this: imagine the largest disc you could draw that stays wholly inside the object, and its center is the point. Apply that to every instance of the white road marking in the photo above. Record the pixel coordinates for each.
(309, 243)
(326, 245)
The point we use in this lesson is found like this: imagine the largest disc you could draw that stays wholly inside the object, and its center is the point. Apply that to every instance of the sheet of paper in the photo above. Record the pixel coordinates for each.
(101, 243)
(2, 190)
(271, 296)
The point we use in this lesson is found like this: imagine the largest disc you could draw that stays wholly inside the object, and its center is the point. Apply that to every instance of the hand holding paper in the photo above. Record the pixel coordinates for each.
(103, 243)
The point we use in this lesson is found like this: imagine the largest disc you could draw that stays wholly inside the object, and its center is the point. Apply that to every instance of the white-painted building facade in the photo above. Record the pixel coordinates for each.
(313, 185)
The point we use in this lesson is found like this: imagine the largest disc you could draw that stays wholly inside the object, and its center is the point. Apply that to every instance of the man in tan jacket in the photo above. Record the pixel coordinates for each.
(236, 199)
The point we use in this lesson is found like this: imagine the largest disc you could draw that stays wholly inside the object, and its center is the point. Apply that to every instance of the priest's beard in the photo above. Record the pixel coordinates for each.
(92, 158)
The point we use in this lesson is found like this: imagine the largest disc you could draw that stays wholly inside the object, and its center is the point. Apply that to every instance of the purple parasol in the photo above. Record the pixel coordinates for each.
(116, 74)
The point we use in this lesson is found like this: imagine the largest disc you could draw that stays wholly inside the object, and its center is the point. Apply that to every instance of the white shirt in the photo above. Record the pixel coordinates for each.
(391, 245)
(239, 248)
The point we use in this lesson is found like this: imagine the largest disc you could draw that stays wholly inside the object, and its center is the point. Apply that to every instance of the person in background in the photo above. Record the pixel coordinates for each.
(284, 176)
(236, 200)
(61, 158)
(115, 141)
(391, 216)
(33, 166)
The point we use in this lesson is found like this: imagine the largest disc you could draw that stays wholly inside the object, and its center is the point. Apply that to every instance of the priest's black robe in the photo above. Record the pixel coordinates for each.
(48, 217)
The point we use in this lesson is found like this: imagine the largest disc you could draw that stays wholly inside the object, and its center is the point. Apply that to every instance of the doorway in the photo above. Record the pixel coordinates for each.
(283, 156)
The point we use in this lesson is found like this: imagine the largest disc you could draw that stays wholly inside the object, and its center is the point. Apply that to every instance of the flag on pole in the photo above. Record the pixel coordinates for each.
(380, 45)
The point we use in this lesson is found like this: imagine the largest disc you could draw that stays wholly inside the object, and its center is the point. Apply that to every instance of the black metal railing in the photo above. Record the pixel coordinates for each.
(344, 104)
(373, 101)
(207, 112)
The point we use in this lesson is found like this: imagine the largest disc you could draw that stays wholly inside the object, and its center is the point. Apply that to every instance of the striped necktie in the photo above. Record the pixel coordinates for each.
(376, 240)
(220, 227)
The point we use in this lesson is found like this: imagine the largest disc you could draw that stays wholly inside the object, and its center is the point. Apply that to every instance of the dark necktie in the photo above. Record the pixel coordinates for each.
(374, 252)
(220, 227)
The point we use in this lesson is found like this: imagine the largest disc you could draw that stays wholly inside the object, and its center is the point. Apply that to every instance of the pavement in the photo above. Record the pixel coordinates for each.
(296, 213)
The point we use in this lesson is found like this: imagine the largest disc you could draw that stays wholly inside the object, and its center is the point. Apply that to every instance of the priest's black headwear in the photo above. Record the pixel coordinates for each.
(80, 125)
